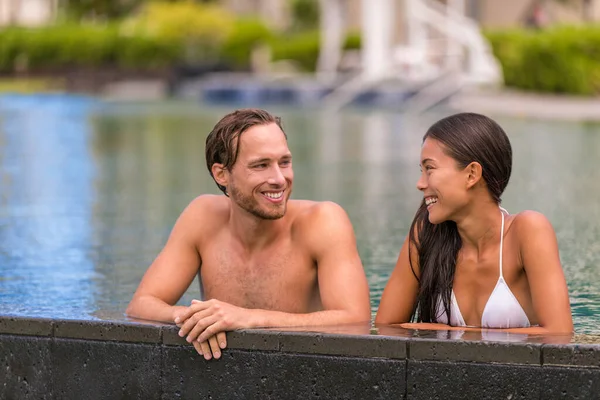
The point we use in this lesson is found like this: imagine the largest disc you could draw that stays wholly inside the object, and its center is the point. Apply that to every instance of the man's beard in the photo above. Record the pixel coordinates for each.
(250, 204)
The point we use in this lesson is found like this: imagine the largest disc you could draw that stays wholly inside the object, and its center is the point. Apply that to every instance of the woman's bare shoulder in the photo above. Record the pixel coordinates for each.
(534, 233)
(527, 222)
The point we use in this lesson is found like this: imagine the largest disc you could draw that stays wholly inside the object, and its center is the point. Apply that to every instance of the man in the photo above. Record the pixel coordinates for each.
(263, 260)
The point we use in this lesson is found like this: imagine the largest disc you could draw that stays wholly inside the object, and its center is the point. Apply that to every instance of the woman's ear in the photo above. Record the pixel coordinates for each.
(474, 172)
(220, 174)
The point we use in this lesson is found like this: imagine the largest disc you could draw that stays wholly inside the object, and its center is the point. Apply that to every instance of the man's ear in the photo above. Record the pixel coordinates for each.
(474, 172)
(220, 174)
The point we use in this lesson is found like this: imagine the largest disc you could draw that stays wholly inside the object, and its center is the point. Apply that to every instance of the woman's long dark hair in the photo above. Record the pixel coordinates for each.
(466, 137)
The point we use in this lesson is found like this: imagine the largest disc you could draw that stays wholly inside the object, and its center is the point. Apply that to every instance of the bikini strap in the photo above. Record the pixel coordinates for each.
(501, 240)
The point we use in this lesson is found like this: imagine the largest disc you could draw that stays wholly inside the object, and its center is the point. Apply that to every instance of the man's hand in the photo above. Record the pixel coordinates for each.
(209, 348)
(206, 321)
(212, 347)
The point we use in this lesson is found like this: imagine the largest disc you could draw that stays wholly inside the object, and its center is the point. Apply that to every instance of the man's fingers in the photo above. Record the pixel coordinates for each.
(191, 310)
(206, 350)
(222, 339)
(211, 330)
(183, 317)
(191, 322)
(214, 347)
(198, 347)
(200, 326)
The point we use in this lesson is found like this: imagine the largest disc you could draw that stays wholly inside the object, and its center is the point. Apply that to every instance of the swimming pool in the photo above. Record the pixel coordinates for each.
(90, 191)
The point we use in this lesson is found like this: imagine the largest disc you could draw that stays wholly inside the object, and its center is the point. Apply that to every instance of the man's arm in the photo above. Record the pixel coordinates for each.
(173, 270)
(328, 234)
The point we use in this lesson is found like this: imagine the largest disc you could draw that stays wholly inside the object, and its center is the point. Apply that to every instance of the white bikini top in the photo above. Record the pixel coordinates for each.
(502, 309)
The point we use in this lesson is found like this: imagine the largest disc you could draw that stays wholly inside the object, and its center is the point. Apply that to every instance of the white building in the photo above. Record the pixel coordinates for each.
(27, 12)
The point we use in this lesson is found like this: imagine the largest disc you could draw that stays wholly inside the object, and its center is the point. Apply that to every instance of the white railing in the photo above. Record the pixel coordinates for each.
(482, 66)
(441, 67)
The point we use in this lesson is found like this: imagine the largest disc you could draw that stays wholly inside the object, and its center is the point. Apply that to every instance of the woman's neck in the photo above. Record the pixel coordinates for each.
(479, 225)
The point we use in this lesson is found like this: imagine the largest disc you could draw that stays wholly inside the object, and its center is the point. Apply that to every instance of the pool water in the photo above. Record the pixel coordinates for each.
(90, 191)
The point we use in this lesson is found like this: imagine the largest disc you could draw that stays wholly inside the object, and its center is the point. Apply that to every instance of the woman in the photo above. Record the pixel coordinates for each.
(467, 263)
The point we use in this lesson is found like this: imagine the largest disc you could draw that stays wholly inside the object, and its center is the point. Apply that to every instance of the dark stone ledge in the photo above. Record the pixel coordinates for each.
(349, 341)
(570, 383)
(26, 326)
(347, 345)
(584, 355)
(69, 359)
(459, 380)
(475, 351)
(25, 367)
(170, 336)
(305, 342)
(109, 331)
(84, 369)
(267, 375)
(253, 340)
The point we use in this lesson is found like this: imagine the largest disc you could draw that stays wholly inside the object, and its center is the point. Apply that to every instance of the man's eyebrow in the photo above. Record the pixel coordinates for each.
(259, 160)
(268, 159)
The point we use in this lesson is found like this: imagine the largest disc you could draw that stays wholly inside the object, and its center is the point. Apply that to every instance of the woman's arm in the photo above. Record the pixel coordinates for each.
(540, 258)
(400, 294)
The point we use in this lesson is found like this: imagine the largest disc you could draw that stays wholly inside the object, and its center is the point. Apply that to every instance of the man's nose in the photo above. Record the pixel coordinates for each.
(276, 177)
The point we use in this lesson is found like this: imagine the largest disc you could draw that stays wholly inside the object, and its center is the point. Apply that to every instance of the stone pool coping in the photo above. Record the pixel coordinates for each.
(378, 342)
(108, 359)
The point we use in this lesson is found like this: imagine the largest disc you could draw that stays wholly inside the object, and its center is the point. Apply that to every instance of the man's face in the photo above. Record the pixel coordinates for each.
(260, 181)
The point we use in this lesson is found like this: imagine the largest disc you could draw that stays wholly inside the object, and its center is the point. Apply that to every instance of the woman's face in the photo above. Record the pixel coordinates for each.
(442, 181)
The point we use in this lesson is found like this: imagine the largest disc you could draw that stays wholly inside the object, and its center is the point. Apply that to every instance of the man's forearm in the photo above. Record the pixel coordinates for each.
(151, 308)
(270, 319)
(207, 318)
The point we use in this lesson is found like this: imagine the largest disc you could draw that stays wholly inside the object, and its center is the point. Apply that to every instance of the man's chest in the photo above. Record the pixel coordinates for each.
(281, 278)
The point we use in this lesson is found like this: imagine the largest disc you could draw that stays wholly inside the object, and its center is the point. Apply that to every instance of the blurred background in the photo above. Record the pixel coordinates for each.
(105, 106)
(355, 47)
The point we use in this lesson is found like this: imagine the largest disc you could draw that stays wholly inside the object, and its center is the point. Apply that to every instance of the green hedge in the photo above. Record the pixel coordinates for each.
(81, 46)
(245, 36)
(65, 46)
(159, 35)
(303, 48)
(557, 60)
(93, 46)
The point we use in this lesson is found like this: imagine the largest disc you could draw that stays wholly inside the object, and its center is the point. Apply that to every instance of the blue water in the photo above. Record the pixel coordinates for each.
(89, 192)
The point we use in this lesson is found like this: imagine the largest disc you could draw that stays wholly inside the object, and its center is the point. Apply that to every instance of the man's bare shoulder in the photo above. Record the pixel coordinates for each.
(312, 211)
(206, 212)
(211, 203)
(316, 217)
(324, 229)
